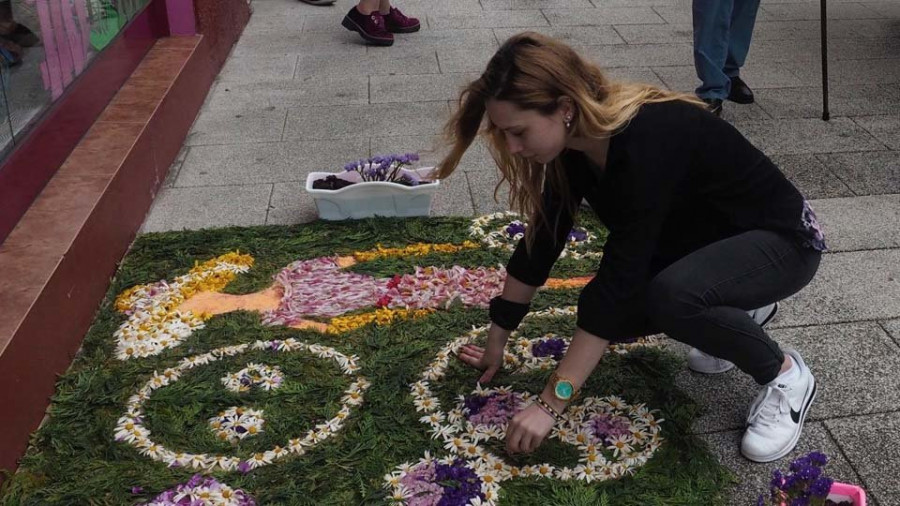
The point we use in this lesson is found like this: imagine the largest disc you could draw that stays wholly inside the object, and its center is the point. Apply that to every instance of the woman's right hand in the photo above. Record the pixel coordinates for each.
(487, 359)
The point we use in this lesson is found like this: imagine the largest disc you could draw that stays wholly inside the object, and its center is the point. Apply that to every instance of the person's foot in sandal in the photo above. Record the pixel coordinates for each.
(370, 27)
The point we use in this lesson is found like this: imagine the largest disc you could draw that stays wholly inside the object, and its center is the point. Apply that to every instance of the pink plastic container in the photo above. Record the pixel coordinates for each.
(846, 492)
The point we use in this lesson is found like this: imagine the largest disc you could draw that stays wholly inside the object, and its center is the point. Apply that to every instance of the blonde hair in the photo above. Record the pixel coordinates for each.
(533, 72)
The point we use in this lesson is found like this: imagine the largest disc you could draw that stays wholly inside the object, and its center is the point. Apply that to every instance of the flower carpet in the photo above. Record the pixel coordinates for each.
(316, 364)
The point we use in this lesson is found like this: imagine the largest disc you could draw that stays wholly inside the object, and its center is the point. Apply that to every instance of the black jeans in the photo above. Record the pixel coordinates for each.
(702, 299)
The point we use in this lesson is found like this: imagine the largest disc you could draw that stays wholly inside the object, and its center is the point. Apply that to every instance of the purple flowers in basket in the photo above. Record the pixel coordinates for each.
(386, 168)
(804, 485)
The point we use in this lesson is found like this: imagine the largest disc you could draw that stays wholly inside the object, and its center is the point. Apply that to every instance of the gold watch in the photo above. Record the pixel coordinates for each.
(563, 388)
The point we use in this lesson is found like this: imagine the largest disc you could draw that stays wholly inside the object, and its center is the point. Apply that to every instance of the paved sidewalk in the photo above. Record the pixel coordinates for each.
(300, 94)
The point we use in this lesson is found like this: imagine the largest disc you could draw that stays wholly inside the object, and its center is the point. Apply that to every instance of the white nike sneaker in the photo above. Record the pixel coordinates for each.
(777, 415)
(708, 364)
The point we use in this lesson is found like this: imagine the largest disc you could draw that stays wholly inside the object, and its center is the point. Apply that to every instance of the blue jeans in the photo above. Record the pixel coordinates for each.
(722, 33)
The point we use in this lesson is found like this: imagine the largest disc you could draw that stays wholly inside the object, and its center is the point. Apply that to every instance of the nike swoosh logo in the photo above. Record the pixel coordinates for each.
(795, 415)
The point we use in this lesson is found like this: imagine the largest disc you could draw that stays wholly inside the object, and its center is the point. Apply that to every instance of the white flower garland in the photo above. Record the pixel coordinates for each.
(153, 325)
(264, 376)
(130, 427)
(490, 229)
(462, 438)
(237, 423)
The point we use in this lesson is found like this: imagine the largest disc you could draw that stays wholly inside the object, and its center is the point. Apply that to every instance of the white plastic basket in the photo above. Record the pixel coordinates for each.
(365, 199)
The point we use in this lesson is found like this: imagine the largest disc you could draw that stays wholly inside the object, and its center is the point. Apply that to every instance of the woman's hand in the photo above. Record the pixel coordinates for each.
(488, 360)
(527, 430)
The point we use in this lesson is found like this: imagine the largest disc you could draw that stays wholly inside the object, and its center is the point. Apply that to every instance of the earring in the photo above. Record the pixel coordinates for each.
(568, 122)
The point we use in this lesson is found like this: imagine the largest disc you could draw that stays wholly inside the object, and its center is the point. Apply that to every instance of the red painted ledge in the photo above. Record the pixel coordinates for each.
(58, 260)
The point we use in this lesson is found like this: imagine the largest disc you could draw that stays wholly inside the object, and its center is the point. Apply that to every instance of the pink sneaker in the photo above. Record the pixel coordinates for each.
(371, 27)
(396, 22)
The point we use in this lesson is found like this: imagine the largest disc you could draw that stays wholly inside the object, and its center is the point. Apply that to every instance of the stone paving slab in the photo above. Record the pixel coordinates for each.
(850, 72)
(488, 19)
(754, 478)
(867, 173)
(812, 177)
(254, 69)
(456, 38)
(853, 286)
(656, 34)
(811, 10)
(639, 55)
(635, 74)
(572, 35)
(776, 75)
(844, 100)
(892, 327)
(849, 225)
(464, 60)
(236, 126)
(208, 207)
(856, 365)
(424, 88)
(872, 443)
(290, 204)
(305, 91)
(482, 185)
(365, 120)
(807, 135)
(421, 61)
(242, 164)
(603, 16)
(884, 128)
(499, 5)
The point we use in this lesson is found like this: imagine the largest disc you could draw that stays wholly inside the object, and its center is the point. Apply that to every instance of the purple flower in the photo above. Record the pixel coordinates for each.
(554, 347)
(137, 490)
(760, 501)
(606, 427)
(244, 466)
(515, 228)
(167, 497)
(495, 409)
(800, 501)
(818, 458)
(821, 487)
(577, 235)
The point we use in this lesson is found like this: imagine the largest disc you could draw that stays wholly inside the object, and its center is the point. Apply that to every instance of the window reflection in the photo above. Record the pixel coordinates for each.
(44, 46)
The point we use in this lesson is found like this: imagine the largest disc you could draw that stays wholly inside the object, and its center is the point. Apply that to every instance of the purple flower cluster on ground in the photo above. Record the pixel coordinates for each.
(577, 235)
(515, 228)
(554, 347)
(189, 493)
(495, 409)
(385, 168)
(804, 485)
(606, 427)
(437, 484)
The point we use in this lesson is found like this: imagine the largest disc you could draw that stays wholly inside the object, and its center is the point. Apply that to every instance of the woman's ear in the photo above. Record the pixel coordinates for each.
(566, 106)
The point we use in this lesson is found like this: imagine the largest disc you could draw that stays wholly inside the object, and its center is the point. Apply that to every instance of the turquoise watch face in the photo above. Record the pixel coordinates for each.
(563, 390)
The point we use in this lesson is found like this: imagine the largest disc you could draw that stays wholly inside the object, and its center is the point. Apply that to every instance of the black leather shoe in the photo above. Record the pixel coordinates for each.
(714, 105)
(740, 92)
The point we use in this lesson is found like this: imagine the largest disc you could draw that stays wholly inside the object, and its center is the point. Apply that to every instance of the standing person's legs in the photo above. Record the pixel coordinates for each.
(743, 19)
(702, 300)
(712, 22)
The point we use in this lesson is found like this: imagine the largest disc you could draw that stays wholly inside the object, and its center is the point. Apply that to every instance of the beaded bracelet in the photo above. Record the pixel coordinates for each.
(549, 409)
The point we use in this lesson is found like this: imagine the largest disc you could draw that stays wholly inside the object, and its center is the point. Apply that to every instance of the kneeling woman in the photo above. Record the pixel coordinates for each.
(706, 233)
